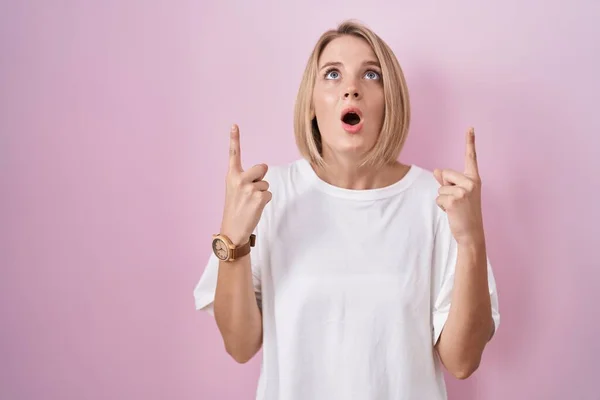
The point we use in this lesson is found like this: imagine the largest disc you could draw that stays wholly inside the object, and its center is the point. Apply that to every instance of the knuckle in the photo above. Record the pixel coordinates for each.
(267, 196)
(248, 190)
(258, 197)
(440, 203)
(236, 180)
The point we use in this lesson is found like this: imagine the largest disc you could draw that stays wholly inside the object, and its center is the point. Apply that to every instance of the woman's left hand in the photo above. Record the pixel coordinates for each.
(460, 197)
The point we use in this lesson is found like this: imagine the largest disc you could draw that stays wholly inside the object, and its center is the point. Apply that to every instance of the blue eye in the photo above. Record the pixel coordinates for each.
(332, 74)
(372, 75)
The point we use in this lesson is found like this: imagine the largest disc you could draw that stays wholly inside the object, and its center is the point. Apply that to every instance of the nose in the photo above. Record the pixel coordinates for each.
(351, 93)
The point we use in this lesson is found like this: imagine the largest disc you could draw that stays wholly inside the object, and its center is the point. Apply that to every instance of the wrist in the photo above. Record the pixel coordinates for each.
(237, 238)
(474, 250)
(473, 241)
(228, 249)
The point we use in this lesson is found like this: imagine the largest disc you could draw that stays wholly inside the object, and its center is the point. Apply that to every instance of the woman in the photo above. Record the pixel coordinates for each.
(358, 275)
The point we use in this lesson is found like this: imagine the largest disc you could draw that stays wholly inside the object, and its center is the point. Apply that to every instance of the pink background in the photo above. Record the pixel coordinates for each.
(113, 148)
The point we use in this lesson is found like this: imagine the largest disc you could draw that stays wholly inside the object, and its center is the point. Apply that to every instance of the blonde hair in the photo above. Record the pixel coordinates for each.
(397, 108)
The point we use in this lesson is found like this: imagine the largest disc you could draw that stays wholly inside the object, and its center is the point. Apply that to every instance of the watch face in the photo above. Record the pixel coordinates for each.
(220, 249)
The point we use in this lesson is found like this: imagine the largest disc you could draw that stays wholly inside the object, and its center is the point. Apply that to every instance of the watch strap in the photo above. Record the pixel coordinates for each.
(241, 251)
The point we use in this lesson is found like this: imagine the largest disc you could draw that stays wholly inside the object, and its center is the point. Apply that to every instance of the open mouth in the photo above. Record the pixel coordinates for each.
(351, 118)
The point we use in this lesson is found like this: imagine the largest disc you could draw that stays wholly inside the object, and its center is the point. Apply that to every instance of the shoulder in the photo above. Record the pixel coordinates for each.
(425, 190)
(286, 169)
(286, 181)
(291, 173)
(424, 181)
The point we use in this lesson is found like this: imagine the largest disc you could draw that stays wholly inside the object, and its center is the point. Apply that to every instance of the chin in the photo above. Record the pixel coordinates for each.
(353, 150)
(352, 145)
(357, 141)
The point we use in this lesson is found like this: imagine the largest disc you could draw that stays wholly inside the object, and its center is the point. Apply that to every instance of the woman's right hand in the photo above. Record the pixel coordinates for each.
(246, 194)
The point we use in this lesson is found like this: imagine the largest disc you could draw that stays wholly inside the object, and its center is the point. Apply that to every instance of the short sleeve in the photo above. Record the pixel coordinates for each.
(204, 292)
(445, 255)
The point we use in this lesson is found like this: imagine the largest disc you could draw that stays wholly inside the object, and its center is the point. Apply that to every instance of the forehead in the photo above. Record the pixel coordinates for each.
(347, 49)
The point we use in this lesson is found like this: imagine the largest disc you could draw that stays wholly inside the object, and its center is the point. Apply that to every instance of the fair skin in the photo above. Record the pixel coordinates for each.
(237, 313)
(470, 325)
(349, 75)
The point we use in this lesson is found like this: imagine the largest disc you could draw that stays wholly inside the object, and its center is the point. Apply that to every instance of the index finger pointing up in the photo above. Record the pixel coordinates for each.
(471, 168)
(235, 159)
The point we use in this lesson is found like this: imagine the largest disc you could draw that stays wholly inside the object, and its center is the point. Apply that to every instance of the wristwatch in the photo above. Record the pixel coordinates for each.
(225, 250)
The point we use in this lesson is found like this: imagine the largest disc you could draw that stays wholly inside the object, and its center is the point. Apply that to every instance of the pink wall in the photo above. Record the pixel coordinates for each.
(113, 148)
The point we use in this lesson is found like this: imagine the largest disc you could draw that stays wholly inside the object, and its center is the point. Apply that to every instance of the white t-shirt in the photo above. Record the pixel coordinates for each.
(355, 287)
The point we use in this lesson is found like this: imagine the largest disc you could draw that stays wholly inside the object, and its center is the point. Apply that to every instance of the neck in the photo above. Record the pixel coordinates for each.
(348, 174)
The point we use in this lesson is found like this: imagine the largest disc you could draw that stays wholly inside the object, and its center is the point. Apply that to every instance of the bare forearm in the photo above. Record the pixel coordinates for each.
(469, 323)
(236, 311)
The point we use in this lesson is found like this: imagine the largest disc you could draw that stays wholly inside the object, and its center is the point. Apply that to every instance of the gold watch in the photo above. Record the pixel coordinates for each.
(225, 250)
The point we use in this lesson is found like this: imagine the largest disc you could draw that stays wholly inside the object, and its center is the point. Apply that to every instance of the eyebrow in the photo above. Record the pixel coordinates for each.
(339, 64)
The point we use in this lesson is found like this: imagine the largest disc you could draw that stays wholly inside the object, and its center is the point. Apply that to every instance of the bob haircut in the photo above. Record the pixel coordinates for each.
(397, 108)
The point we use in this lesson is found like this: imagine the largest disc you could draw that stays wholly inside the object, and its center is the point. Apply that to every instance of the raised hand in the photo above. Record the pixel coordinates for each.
(246, 195)
(460, 196)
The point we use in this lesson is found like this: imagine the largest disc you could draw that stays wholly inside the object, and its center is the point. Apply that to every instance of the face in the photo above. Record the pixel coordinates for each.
(348, 98)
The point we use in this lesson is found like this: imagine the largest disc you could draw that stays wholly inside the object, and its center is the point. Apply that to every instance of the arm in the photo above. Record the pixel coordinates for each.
(236, 310)
(470, 325)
